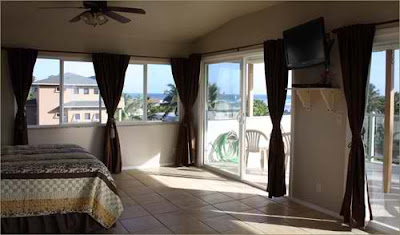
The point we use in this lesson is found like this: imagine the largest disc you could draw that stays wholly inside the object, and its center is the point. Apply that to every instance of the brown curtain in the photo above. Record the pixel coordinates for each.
(276, 76)
(355, 48)
(186, 75)
(21, 63)
(110, 75)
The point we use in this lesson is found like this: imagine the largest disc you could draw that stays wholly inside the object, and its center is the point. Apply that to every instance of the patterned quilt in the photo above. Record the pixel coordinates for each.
(41, 180)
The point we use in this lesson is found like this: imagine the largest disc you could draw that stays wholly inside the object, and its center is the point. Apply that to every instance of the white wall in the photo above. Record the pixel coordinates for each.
(141, 145)
(320, 140)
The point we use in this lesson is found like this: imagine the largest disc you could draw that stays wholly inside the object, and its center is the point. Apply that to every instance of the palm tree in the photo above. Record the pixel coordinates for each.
(375, 102)
(131, 106)
(170, 100)
(212, 95)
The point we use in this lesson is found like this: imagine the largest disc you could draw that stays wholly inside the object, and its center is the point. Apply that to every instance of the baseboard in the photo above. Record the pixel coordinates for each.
(315, 207)
(147, 166)
(376, 225)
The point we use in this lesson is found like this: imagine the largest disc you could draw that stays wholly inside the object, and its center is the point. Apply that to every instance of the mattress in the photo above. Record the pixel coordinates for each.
(41, 180)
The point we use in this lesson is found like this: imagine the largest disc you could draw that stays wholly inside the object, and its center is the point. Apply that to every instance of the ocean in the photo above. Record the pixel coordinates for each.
(231, 98)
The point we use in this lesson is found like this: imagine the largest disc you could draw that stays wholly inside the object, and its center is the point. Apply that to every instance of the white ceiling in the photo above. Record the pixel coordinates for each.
(165, 21)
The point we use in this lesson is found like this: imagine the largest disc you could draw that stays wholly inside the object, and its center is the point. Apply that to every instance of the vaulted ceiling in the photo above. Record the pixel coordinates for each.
(170, 22)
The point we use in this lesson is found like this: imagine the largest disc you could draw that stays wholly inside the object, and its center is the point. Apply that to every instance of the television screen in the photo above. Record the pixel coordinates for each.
(305, 44)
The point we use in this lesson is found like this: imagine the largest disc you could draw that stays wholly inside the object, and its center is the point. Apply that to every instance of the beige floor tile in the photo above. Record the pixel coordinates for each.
(257, 201)
(214, 198)
(147, 198)
(268, 228)
(175, 218)
(128, 182)
(118, 229)
(136, 225)
(224, 223)
(250, 216)
(137, 190)
(314, 224)
(278, 210)
(244, 229)
(294, 206)
(205, 212)
(133, 211)
(156, 200)
(158, 230)
(192, 228)
(122, 175)
(232, 206)
(127, 201)
(176, 194)
(160, 207)
(200, 192)
(188, 202)
(237, 196)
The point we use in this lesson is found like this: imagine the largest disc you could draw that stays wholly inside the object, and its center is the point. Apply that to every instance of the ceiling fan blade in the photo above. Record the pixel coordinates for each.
(95, 4)
(127, 9)
(117, 17)
(62, 8)
(78, 17)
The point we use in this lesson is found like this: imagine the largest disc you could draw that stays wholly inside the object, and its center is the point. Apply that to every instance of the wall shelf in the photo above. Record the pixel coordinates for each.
(328, 95)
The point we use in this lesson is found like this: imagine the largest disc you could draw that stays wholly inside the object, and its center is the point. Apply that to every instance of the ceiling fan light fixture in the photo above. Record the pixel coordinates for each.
(101, 19)
(89, 18)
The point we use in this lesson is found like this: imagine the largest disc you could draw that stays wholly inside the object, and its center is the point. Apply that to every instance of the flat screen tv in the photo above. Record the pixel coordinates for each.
(305, 44)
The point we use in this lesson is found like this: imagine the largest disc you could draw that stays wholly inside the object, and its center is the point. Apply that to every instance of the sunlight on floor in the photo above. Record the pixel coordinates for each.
(191, 200)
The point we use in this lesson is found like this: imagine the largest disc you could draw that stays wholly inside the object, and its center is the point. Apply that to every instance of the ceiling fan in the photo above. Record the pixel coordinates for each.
(97, 13)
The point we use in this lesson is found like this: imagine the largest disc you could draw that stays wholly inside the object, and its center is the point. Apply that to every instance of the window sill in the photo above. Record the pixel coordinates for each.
(86, 125)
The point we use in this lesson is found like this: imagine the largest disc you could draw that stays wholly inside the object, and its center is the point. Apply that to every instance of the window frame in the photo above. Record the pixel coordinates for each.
(144, 120)
(82, 57)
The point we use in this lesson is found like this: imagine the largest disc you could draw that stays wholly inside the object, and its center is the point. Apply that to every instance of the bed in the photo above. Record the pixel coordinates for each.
(56, 189)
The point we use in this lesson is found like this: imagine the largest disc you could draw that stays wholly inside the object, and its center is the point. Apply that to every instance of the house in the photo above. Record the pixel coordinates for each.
(190, 142)
(81, 101)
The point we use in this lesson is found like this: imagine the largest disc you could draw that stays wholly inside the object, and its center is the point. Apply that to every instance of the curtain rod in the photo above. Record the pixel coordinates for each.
(379, 23)
(233, 48)
(259, 44)
(89, 53)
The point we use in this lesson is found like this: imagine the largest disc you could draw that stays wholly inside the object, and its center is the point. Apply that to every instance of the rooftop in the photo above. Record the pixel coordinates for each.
(83, 104)
(69, 79)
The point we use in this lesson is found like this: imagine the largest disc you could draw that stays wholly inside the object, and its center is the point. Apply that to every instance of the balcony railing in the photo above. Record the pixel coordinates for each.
(374, 132)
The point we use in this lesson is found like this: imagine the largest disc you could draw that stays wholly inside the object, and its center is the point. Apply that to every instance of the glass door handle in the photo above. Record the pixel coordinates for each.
(240, 117)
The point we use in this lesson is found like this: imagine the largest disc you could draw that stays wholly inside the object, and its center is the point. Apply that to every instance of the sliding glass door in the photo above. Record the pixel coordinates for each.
(224, 116)
(237, 122)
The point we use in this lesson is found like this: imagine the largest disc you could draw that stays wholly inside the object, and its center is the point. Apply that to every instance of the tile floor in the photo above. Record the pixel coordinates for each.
(194, 201)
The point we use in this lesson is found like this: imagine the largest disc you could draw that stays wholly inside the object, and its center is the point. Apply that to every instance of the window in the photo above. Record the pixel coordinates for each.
(43, 102)
(149, 93)
(161, 102)
(130, 107)
(80, 75)
(162, 95)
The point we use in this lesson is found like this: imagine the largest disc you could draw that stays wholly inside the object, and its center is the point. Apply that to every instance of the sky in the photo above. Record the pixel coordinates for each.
(378, 69)
(159, 75)
(227, 78)
(226, 75)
